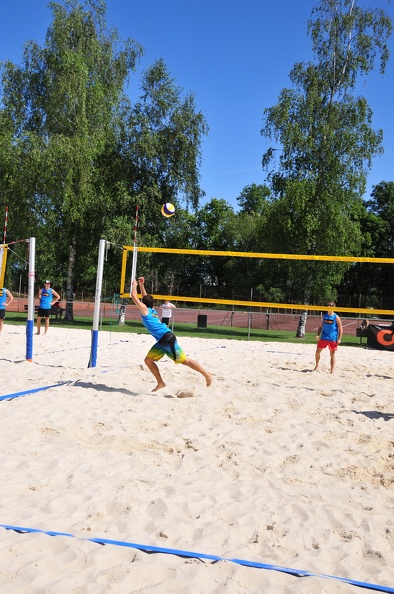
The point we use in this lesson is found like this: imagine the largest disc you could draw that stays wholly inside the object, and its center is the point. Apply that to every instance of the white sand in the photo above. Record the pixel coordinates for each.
(273, 464)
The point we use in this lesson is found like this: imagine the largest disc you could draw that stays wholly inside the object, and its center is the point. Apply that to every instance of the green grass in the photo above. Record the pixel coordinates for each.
(217, 332)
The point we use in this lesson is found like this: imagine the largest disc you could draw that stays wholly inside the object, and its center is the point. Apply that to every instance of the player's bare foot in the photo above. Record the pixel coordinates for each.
(208, 379)
(159, 386)
(316, 368)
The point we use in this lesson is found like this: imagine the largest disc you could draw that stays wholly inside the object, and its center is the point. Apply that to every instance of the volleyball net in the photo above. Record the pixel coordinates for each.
(150, 264)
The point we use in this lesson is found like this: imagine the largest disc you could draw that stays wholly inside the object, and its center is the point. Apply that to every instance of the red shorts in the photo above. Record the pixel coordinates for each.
(332, 344)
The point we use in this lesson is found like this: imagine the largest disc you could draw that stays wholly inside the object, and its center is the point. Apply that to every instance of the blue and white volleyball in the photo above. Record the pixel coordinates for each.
(168, 210)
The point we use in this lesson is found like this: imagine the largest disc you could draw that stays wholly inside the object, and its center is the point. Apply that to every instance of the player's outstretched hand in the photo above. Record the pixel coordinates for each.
(141, 280)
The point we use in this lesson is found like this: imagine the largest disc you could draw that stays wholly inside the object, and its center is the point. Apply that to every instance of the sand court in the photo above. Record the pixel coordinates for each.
(273, 464)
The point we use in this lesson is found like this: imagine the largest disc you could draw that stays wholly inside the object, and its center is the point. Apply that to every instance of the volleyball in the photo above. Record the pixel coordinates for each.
(168, 210)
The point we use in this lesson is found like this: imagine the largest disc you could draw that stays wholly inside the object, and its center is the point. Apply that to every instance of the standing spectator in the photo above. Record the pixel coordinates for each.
(166, 312)
(4, 294)
(46, 295)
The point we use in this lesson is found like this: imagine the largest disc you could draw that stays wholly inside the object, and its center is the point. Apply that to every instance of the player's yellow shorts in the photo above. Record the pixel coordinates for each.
(173, 351)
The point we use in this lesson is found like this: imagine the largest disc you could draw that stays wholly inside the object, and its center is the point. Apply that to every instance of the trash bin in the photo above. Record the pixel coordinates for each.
(201, 321)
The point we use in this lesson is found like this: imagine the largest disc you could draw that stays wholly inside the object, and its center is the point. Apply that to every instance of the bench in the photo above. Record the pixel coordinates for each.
(56, 312)
(35, 308)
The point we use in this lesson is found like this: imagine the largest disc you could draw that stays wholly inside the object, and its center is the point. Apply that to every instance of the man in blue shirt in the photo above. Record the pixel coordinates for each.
(45, 295)
(329, 334)
(166, 342)
(4, 295)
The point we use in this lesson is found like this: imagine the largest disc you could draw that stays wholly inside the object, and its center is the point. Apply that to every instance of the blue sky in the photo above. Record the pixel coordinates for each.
(234, 56)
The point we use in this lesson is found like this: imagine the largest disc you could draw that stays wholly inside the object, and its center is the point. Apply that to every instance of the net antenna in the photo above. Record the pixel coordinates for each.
(134, 261)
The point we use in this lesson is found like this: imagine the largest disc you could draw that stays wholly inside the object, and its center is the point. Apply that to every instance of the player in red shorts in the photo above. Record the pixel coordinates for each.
(329, 334)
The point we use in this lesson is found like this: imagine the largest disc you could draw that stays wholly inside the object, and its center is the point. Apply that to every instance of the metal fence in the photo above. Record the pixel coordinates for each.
(219, 320)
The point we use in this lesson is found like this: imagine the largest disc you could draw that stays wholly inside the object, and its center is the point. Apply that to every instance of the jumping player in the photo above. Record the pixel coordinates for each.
(166, 342)
(329, 334)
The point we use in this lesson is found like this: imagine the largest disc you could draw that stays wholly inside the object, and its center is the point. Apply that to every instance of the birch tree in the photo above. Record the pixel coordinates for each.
(61, 101)
(324, 141)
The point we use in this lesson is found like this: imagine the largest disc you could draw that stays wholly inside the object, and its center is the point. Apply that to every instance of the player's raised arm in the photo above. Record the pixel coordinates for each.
(141, 282)
(141, 306)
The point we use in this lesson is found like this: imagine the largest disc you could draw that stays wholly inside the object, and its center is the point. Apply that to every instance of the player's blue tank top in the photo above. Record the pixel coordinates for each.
(46, 298)
(3, 299)
(153, 325)
(330, 328)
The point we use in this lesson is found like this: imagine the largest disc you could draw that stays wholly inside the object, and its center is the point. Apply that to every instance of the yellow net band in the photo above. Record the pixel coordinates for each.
(258, 304)
(262, 255)
(269, 305)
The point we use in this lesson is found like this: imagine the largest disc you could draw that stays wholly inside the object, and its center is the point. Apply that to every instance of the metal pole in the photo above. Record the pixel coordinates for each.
(250, 314)
(20, 288)
(97, 297)
(30, 300)
(134, 261)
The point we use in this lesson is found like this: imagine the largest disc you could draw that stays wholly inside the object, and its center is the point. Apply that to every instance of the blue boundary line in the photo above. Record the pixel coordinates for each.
(34, 390)
(194, 555)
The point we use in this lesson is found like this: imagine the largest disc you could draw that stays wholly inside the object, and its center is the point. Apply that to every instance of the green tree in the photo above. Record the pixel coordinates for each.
(79, 155)
(249, 229)
(160, 148)
(60, 102)
(382, 205)
(380, 217)
(155, 159)
(358, 281)
(214, 233)
(178, 274)
(326, 139)
(254, 199)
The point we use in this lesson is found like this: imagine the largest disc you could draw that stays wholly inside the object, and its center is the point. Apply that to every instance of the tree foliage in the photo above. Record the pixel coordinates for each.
(78, 156)
(326, 140)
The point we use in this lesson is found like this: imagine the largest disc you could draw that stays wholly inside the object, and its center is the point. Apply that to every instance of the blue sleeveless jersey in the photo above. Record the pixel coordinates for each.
(153, 325)
(330, 328)
(3, 299)
(46, 298)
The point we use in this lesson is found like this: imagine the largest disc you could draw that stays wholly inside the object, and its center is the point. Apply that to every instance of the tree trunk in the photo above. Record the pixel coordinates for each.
(171, 284)
(307, 294)
(69, 313)
(302, 325)
(154, 281)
